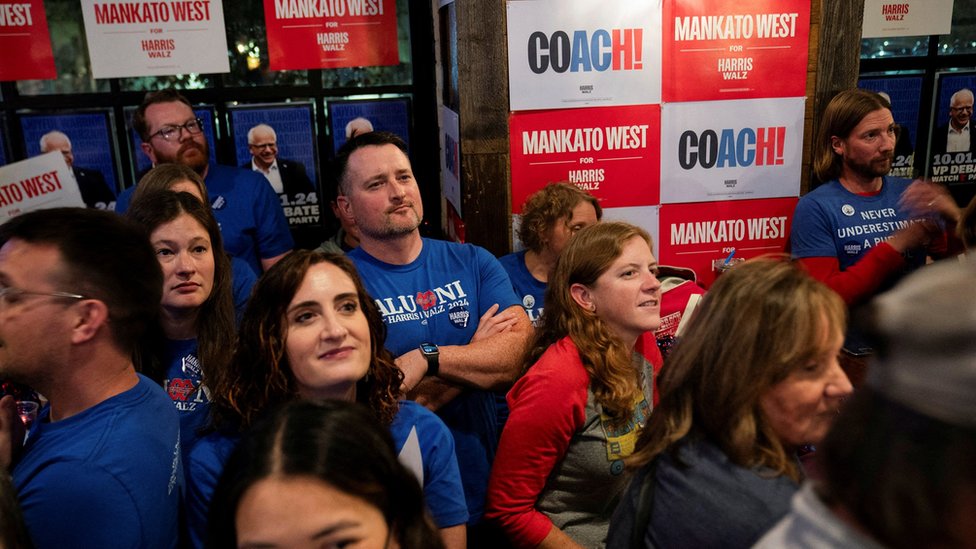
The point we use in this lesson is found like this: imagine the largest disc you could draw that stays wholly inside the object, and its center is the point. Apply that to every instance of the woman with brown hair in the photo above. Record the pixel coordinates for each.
(754, 378)
(312, 332)
(577, 410)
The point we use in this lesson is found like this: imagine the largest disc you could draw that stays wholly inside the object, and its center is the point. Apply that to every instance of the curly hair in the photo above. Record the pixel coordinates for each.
(760, 322)
(261, 378)
(613, 379)
(215, 320)
(547, 206)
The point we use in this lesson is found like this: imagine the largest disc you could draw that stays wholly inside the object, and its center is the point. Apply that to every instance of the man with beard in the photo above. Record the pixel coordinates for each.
(861, 230)
(438, 301)
(251, 219)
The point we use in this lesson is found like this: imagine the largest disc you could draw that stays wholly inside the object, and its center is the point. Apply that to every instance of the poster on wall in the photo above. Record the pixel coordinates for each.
(645, 217)
(142, 163)
(278, 141)
(451, 158)
(611, 152)
(703, 236)
(904, 93)
(155, 38)
(43, 181)
(328, 35)
(349, 118)
(85, 139)
(952, 147)
(883, 18)
(579, 53)
(23, 29)
(731, 150)
(735, 49)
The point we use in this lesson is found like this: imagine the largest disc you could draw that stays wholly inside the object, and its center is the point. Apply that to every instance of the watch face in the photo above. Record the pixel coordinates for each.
(428, 348)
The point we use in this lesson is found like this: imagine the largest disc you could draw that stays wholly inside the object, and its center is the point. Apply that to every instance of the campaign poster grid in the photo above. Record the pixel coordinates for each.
(155, 37)
(611, 152)
(91, 136)
(580, 53)
(735, 49)
(23, 29)
(904, 94)
(142, 163)
(731, 150)
(390, 115)
(333, 34)
(695, 235)
(958, 166)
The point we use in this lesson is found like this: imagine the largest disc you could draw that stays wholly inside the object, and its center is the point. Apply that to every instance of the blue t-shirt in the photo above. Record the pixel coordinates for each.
(439, 298)
(110, 476)
(425, 446)
(243, 278)
(532, 291)
(252, 223)
(184, 385)
(831, 221)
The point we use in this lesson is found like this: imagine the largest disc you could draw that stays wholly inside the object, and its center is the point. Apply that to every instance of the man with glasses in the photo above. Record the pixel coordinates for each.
(251, 219)
(101, 465)
(956, 136)
(287, 177)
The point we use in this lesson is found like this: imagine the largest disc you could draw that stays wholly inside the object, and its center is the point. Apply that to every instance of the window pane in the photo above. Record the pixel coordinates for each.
(70, 54)
(248, 44)
(963, 36)
(896, 46)
(191, 81)
(394, 75)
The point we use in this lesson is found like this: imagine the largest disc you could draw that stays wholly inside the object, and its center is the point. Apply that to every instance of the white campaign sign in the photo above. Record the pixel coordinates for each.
(155, 37)
(731, 150)
(580, 53)
(883, 18)
(37, 183)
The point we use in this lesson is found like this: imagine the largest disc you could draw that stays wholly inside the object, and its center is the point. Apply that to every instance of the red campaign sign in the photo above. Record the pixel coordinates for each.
(735, 49)
(695, 235)
(23, 29)
(327, 34)
(614, 153)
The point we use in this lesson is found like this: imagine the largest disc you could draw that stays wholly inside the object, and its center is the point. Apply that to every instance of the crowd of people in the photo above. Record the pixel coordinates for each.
(207, 385)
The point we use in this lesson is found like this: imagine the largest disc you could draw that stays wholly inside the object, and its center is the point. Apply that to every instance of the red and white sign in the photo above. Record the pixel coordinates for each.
(37, 183)
(883, 18)
(693, 235)
(735, 49)
(25, 42)
(580, 53)
(731, 150)
(611, 152)
(155, 37)
(331, 33)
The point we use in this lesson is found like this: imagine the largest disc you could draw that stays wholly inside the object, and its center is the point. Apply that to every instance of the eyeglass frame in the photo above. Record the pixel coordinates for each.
(171, 128)
(11, 290)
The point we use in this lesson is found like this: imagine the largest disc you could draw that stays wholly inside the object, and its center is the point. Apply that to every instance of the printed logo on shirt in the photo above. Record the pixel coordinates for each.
(847, 210)
(422, 305)
(852, 249)
(180, 389)
(191, 366)
(528, 301)
(622, 437)
(185, 394)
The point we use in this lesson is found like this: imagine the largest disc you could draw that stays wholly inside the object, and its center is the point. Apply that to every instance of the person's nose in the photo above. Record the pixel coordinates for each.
(185, 265)
(332, 329)
(838, 385)
(650, 282)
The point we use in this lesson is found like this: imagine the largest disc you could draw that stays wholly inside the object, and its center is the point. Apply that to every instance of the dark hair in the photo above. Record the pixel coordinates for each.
(844, 112)
(547, 206)
(758, 323)
(609, 363)
(105, 257)
(162, 96)
(335, 442)
(13, 530)
(162, 178)
(899, 473)
(261, 378)
(368, 139)
(215, 322)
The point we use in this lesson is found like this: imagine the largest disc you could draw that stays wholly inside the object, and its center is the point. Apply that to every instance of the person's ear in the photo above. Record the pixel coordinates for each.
(582, 296)
(837, 144)
(147, 148)
(90, 316)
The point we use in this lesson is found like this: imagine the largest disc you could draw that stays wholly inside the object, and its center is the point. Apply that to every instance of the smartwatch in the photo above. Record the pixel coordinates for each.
(432, 354)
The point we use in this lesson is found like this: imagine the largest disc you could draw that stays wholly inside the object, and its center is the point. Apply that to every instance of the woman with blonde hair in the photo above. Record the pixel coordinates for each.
(754, 378)
(577, 410)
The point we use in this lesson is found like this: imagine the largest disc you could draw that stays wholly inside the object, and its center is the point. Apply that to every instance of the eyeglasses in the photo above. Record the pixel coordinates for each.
(10, 295)
(170, 132)
(260, 146)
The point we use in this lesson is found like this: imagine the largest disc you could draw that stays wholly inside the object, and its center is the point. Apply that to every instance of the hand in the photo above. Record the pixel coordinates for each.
(926, 199)
(434, 392)
(414, 368)
(490, 324)
(918, 234)
(11, 431)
